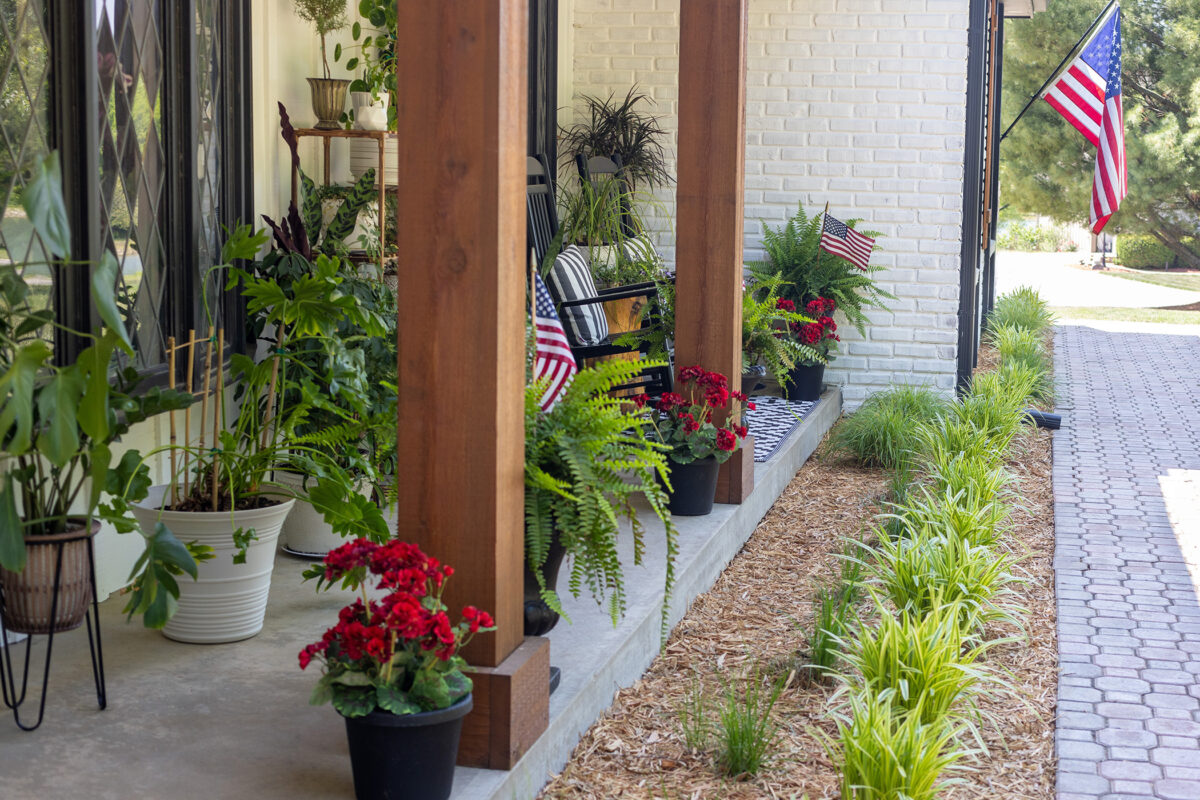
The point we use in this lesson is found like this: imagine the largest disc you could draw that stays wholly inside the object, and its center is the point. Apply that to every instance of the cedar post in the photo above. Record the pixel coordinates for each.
(709, 200)
(461, 229)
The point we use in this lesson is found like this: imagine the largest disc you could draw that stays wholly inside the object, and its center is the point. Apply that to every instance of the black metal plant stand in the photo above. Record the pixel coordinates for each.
(8, 682)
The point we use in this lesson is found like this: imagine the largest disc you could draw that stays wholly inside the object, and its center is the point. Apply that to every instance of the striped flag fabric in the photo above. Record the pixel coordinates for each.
(1110, 183)
(840, 239)
(1078, 93)
(552, 359)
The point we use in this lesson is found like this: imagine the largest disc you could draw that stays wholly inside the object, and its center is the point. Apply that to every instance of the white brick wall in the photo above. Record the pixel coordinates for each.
(856, 102)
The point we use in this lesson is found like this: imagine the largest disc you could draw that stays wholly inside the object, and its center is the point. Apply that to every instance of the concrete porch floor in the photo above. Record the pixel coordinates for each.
(232, 721)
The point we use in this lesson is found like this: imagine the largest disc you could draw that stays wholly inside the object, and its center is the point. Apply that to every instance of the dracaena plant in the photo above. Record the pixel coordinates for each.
(586, 459)
(59, 422)
(393, 648)
(767, 322)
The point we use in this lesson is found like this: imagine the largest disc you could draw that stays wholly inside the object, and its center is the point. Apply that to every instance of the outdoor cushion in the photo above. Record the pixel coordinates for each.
(571, 279)
(640, 248)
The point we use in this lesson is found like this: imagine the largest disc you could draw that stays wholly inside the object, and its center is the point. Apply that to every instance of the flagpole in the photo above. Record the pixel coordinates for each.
(824, 216)
(1070, 54)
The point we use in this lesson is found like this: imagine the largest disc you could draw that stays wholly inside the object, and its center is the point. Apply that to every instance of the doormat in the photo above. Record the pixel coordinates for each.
(772, 422)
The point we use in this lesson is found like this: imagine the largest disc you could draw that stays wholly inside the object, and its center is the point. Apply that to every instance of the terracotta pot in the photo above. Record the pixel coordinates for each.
(29, 594)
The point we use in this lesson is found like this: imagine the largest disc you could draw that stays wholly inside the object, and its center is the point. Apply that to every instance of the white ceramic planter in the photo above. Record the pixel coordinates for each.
(364, 155)
(305, 531)
(228, 601)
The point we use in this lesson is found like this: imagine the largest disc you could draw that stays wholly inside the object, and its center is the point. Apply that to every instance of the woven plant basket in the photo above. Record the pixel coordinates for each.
(29, 594)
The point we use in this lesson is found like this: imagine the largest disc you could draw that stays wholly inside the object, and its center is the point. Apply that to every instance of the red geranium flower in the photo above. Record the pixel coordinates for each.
(726, 440)
(784, 305)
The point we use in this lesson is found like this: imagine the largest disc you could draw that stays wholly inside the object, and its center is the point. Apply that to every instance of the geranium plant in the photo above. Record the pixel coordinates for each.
(766, 320)
(399, 652)
(686, 421)
(819, 336)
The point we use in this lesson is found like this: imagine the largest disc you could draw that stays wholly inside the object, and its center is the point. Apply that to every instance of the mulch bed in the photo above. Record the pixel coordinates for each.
(757, 615)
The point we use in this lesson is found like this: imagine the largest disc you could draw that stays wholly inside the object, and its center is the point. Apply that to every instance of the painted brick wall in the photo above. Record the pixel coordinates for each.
(855, 102)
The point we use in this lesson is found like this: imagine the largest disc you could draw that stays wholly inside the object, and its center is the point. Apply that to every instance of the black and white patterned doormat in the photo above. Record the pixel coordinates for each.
(772, 422)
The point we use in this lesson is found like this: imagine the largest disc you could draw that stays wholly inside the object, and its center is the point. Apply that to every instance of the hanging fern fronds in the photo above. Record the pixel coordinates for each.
(793, 252)
(585, 460)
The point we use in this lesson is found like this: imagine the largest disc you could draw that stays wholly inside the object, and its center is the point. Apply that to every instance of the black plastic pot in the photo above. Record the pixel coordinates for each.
(805, 383)
(539, 617)
(693, 487)
(406, 756)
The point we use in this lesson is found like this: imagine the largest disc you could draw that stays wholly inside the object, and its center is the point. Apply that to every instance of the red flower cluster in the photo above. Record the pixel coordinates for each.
(687, 421)
(824, 329)
(821, 307)
(784, 305)
(411, 616)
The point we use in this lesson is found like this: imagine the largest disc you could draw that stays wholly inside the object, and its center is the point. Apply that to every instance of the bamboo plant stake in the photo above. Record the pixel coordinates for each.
(171, 417)
(216, 482)
(207, 385)
(187, 412)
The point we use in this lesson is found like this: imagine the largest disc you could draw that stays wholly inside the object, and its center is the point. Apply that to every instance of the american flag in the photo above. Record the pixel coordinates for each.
(1088, 95)
(553, 359)
(840, 239)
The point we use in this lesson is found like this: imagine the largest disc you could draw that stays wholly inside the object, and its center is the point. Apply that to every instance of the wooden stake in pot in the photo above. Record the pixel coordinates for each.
(187, 412)
(171, 417)
(216, 481)
(207, 385)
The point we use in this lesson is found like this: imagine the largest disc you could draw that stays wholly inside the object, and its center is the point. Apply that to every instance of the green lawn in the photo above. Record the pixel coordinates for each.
(1175, 280)
(1128, 314)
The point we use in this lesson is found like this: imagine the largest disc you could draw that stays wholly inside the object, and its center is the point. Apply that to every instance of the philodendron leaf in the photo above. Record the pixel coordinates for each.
(94, 406)
(58, 401)
(18, 383)
(392, 699)
(12, 534)
(43, 202)
(104, 295)
(353, 701)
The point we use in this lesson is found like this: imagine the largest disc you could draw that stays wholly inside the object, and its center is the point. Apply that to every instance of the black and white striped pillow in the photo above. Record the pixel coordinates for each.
(640, 248)
(571, 279)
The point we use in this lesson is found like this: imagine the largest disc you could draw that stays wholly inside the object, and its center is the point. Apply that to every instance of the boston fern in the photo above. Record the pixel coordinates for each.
(809, 273)
(585, 461)
(767, 320)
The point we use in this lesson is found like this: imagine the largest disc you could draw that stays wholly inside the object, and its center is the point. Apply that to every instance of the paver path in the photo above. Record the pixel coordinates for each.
(1127, 518)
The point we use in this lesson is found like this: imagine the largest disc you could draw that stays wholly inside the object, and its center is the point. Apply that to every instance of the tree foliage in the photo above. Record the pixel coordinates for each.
(1047, 166)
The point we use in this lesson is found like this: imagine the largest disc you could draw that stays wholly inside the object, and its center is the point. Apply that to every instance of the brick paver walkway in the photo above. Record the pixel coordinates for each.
(1126, 476)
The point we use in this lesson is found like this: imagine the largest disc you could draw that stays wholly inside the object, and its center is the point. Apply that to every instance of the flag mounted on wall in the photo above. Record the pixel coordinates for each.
(1088, 95)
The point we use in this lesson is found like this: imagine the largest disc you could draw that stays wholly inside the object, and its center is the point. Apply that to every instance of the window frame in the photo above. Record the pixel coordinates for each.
(74, 133)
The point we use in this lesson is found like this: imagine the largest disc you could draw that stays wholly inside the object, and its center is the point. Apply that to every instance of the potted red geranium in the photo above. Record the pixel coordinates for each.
(684, 422)
(807, 377)
(392, 669)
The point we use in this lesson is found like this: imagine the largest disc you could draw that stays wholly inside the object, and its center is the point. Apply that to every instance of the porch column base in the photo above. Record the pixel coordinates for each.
(735, 481)
(512, 707)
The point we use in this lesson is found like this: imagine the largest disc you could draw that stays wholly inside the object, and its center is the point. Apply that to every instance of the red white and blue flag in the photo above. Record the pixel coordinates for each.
(840, 239)
(553, 360)
(1088, 95)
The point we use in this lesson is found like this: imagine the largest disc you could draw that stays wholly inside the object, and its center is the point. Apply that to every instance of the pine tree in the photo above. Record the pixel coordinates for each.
(1047, 166)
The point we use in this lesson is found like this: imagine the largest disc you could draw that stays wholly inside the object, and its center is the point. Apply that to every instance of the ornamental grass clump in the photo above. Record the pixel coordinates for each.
(981, 480)
(880, 433)
(923, 664)
(693, 717)
(948, 437)
(885, 755)
(1024, 348)
(1021, 308)
(929, 569)
(745, 729)
(965, 514)
(395, 651)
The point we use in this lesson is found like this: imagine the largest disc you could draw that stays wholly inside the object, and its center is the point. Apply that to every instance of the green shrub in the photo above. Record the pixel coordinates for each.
(992, 407)
(1143, 252)
(967, 514)
(930, 568)
(1029, 237)
(941, 441)
(880, 432)
(1023, 308)
(1023, 357)
(924, 664)
(888, 756)
(959, 473)
(746, 729)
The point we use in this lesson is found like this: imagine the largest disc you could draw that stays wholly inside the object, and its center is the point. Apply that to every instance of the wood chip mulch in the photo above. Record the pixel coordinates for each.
(757, 616)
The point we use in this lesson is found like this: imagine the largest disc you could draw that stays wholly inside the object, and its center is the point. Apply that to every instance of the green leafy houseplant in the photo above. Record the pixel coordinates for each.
(616, 127)
(767, 321)
(59, 422)
(585, 461)
(397, 652)
(376, 45)
(793, 252)
(326, 16)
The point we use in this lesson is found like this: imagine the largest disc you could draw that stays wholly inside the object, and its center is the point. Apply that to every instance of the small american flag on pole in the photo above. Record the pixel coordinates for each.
(840, 239)
(552, 360)
(1088, 95)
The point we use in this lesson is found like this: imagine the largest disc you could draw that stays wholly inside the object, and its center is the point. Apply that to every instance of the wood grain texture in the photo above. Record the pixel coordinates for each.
(710, 189)
(512, 708)
(735, 481)
(461, 230)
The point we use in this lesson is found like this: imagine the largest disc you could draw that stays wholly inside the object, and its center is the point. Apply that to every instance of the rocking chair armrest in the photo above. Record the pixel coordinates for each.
(616, 293)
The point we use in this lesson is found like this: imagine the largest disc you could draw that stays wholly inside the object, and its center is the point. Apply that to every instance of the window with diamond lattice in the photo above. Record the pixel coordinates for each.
(155, 153)
(24, 134)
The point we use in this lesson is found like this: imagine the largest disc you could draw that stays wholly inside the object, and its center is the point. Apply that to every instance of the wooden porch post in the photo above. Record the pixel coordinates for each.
(461, 69)
(709, 200)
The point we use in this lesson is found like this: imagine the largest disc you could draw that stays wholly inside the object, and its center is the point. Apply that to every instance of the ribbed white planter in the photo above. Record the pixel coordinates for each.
(228, 601)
